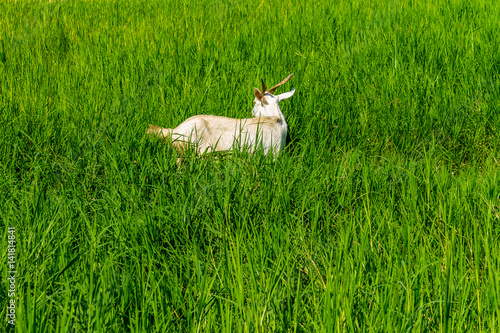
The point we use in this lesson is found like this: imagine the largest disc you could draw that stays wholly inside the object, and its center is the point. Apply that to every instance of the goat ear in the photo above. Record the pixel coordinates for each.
(258, 94)
(286, 95)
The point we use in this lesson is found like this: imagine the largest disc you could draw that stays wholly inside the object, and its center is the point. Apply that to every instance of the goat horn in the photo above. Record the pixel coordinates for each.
(264, 87)
(271, 91)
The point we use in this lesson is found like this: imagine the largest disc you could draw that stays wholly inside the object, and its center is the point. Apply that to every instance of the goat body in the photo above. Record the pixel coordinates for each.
(267, 129)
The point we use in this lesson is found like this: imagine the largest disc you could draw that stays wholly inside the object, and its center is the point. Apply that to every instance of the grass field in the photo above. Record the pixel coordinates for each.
(382, 215)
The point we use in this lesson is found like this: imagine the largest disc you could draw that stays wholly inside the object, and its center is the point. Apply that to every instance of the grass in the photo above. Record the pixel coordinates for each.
(381, 216)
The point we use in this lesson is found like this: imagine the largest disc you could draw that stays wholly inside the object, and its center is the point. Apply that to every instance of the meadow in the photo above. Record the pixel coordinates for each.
(381, 215)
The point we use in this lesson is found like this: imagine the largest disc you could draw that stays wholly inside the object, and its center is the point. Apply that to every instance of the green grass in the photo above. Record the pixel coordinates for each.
(381, 216)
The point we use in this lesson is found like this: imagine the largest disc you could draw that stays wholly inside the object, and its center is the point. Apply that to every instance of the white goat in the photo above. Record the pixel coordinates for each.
(208, 133)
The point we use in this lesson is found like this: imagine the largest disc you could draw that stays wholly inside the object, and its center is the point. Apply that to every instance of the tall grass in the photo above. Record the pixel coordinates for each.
(382, 215)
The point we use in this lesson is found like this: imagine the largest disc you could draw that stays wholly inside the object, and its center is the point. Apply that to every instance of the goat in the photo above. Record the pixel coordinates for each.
(208, 133)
